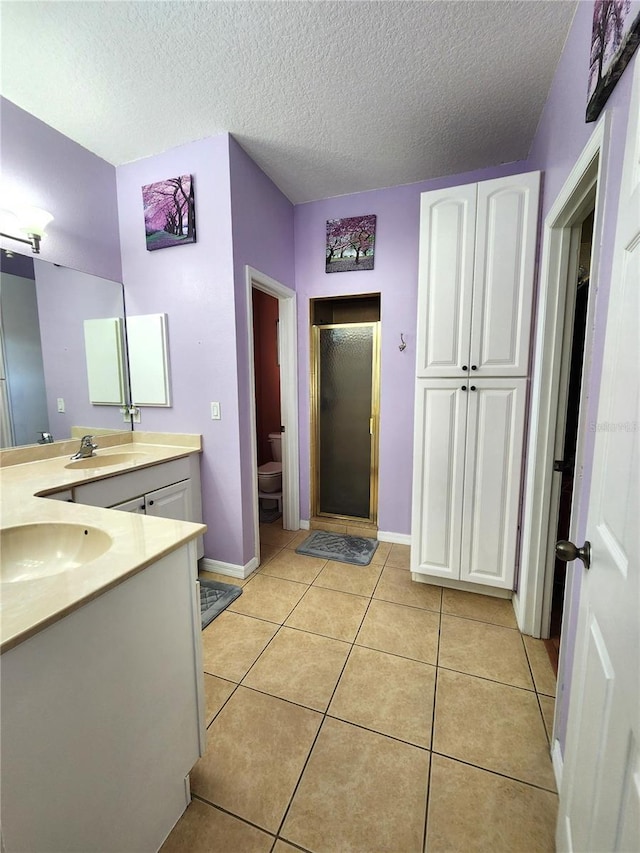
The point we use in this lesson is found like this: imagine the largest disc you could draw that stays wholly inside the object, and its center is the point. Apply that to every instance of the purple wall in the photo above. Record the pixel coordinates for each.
(43, 168)
(262, 220)
(201, 287)
(193, 285)
(65, 299)
(561, 135)
(395, 277)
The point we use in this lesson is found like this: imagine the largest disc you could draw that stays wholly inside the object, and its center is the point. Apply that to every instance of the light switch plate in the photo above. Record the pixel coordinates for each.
(215, 412)
(61, 405)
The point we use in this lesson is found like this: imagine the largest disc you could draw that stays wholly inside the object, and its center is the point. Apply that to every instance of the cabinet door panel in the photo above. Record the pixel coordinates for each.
(438, 477)
(447, 233)
(134, 505)
(493, 467)
(170, 502)
(507, 220)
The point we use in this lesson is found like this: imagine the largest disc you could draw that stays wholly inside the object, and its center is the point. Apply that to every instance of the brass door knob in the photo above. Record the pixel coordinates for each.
(568, 552)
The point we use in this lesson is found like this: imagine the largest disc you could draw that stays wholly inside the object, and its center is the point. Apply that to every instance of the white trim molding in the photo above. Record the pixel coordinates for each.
(304, 524)
(588, 171)
(230, 569)
(557, 762)
(288, 358)
(396, 538)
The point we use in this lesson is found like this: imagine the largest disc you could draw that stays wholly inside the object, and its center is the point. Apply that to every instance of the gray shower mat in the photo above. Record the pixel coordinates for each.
(214, 597)
(337, 546)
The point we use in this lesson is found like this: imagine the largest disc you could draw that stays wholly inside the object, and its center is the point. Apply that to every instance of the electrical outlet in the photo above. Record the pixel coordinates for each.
(61, 405)
(215, 412)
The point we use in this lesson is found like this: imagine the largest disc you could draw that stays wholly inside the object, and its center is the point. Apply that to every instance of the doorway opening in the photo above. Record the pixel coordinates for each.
(345, 383)
(284, 350)
(268, 411)
(576, 213)
(572, 361)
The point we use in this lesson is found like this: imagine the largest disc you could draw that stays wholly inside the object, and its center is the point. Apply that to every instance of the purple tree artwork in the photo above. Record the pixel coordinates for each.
(614, 38)
(169, 213)
(350, 243)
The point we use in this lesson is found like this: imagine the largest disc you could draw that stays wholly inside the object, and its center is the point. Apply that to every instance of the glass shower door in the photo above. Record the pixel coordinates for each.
(346, 409)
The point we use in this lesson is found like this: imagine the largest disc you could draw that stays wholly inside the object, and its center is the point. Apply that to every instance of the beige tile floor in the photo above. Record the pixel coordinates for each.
(351, 710)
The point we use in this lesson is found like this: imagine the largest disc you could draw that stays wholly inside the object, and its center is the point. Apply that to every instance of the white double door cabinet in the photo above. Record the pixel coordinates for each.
(172, 501)
(468, 458)
(477, 256)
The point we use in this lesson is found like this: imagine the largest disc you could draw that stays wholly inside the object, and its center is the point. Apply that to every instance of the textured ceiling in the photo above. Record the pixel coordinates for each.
(327, 97)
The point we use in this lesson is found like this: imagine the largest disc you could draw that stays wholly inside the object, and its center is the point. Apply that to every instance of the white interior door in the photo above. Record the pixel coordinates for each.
(600, 791)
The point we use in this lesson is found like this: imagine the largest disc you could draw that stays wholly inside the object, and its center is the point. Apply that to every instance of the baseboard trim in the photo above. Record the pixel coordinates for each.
(304, 524)
(557, 762)
(230, 569)
(465, 586)
(396, 538)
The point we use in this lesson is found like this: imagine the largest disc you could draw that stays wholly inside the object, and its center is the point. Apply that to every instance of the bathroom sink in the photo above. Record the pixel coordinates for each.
(131, 456)
(32, 551)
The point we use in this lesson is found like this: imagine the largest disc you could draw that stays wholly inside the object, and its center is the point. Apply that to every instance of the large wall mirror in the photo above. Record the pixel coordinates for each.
(45, 381)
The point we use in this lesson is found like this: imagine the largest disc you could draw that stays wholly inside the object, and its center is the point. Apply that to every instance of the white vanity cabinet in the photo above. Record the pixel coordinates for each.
(103, 717)
(170, 502)
(476, 268)
(167, 490)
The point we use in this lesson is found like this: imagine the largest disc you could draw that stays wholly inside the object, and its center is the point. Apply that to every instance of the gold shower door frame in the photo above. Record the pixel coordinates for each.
(373, 422)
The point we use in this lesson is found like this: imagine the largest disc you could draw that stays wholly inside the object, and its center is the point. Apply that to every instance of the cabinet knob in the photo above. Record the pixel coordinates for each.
(473, 387)
(464, 367)
(151, 503)
(464, 388)
(474, 367)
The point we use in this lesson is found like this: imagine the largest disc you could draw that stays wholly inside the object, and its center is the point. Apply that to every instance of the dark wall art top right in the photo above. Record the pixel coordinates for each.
(614, 38)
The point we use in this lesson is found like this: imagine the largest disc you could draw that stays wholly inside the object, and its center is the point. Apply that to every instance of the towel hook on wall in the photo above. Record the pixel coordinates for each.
(403, 345)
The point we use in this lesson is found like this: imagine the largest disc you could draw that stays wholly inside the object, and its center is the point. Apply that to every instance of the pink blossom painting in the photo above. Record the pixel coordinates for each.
(350, 243)
(169, 213)
(614, 38)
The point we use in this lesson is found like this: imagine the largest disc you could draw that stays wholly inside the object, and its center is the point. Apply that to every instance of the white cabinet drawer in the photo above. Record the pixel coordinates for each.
(124, 486)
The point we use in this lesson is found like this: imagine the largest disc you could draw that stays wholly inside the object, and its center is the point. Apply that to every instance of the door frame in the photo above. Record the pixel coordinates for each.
(589, 171)
(374, 421)
(288, 359)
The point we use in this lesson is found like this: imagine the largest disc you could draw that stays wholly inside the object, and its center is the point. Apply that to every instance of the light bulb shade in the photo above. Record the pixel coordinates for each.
(33, 220)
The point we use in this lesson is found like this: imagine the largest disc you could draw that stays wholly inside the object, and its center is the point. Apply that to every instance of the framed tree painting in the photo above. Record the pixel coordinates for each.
(614, 38)
(350, 243)
(169, 213)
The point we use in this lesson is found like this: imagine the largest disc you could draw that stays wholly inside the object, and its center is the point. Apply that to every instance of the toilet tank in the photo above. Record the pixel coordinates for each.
(275, 440)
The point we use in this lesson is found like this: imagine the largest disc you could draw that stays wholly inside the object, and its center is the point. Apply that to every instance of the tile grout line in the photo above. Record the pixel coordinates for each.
(325, 714)
(495, 772)
(219, 808)
(537, 692)
(324, 717)
(433, 729)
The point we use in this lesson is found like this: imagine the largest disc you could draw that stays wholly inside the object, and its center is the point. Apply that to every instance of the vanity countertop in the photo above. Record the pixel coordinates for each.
(27, 475)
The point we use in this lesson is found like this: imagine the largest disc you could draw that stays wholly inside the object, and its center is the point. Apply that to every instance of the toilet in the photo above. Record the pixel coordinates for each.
(270, 474)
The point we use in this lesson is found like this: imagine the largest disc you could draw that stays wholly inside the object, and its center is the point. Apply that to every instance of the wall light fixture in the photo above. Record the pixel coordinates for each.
(30, 221)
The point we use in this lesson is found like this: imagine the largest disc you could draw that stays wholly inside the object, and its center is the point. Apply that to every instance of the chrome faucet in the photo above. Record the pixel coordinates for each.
(86, 448)
(45, 438)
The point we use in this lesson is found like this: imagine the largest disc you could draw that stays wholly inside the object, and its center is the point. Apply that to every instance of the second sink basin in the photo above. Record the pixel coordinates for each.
(32, 551)
(108, 459)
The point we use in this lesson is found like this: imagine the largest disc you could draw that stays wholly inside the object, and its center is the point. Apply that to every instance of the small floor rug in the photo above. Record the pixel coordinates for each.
(337, 546)
(267, 516)
(214, 597)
